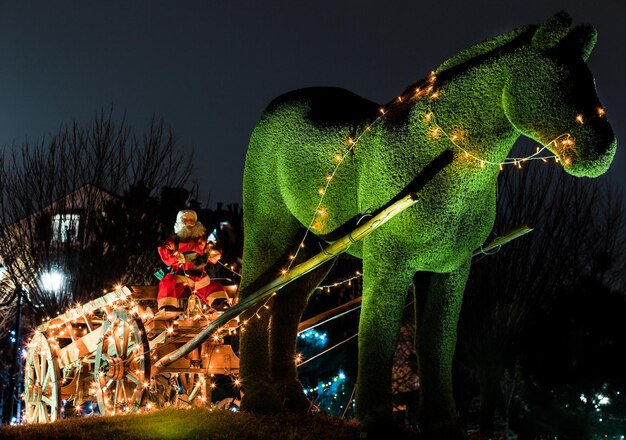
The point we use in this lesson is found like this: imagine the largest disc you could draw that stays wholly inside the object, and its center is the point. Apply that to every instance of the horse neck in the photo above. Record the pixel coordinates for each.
(470, 106)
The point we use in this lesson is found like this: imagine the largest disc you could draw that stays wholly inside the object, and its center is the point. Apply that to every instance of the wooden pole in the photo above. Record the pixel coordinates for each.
(344, 308)
(269, 289)
(356, 302)
(503, 239)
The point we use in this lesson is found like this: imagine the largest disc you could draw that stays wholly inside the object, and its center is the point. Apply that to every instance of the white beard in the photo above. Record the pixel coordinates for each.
(194, 231)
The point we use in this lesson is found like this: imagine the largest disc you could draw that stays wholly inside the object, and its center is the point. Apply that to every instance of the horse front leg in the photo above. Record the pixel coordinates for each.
(436, 327)
(289, 304)
(385, 287)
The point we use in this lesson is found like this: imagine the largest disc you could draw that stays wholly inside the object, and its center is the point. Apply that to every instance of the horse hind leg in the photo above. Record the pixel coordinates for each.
(269, 234)
(287, 309)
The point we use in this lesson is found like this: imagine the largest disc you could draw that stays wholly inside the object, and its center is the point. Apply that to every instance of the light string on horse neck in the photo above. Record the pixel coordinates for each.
(565, 139)
(426, 88)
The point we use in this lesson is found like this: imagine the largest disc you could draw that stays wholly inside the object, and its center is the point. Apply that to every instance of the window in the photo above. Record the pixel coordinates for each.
(65, 227)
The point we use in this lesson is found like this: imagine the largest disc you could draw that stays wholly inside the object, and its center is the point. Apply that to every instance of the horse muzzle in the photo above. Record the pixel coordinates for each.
(590, 149)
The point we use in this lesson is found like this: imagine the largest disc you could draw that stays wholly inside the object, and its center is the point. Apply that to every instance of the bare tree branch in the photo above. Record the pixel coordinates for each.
(83, 203)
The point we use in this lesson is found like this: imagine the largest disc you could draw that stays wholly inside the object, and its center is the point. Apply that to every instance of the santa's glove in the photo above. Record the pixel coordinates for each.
(214, 253)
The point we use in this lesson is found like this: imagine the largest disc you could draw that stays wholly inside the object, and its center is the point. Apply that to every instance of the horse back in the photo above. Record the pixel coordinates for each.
(294, 148)
(328, 106)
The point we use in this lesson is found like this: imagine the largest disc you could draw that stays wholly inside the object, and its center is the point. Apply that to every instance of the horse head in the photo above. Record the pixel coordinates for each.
(551, 97)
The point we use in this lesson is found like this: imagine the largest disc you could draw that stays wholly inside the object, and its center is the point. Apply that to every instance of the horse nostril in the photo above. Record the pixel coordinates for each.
(593, 148)
(600, 129)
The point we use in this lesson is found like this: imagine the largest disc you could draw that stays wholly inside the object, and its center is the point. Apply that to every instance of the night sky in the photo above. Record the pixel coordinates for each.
(209, 68)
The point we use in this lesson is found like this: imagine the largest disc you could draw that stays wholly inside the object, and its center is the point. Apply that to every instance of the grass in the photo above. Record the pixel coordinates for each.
(188, 425)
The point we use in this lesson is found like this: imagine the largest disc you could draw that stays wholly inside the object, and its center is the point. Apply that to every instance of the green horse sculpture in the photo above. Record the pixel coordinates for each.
(530, 82)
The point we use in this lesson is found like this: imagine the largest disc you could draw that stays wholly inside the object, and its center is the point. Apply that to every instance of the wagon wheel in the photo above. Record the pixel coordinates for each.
(122, 367)
(164, 390)
(42, 390)
(194, 389)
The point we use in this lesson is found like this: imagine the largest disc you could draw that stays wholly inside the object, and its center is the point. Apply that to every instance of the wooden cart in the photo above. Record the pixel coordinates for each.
(97, 357)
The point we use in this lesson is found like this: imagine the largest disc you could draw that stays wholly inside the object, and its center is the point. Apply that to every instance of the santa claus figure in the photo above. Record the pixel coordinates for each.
(187, 252)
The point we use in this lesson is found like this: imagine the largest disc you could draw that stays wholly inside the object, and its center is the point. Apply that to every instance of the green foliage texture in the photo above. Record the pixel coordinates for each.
(532, 81)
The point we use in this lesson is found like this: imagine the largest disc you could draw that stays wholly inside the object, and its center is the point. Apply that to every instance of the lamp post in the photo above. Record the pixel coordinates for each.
(17, 355)
(14, 389)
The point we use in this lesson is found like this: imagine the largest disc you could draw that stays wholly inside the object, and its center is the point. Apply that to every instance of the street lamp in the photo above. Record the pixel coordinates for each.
(52, 280)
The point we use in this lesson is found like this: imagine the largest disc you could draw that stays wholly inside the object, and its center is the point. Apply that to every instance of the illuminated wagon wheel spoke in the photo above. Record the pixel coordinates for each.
(194, 389)
(122, 364)
(42, 396)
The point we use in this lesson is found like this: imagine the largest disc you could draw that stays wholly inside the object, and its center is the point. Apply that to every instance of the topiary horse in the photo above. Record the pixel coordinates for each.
(532, 81)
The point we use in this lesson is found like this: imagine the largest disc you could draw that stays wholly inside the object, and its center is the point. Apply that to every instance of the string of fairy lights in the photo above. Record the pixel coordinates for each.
(426, 89)
(335, 390)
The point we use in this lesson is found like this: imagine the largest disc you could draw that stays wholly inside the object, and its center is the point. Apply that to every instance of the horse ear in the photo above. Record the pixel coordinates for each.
(552, 30)
(580, 40)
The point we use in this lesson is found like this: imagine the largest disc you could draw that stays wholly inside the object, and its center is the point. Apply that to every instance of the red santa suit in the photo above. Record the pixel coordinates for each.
(187, 257)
